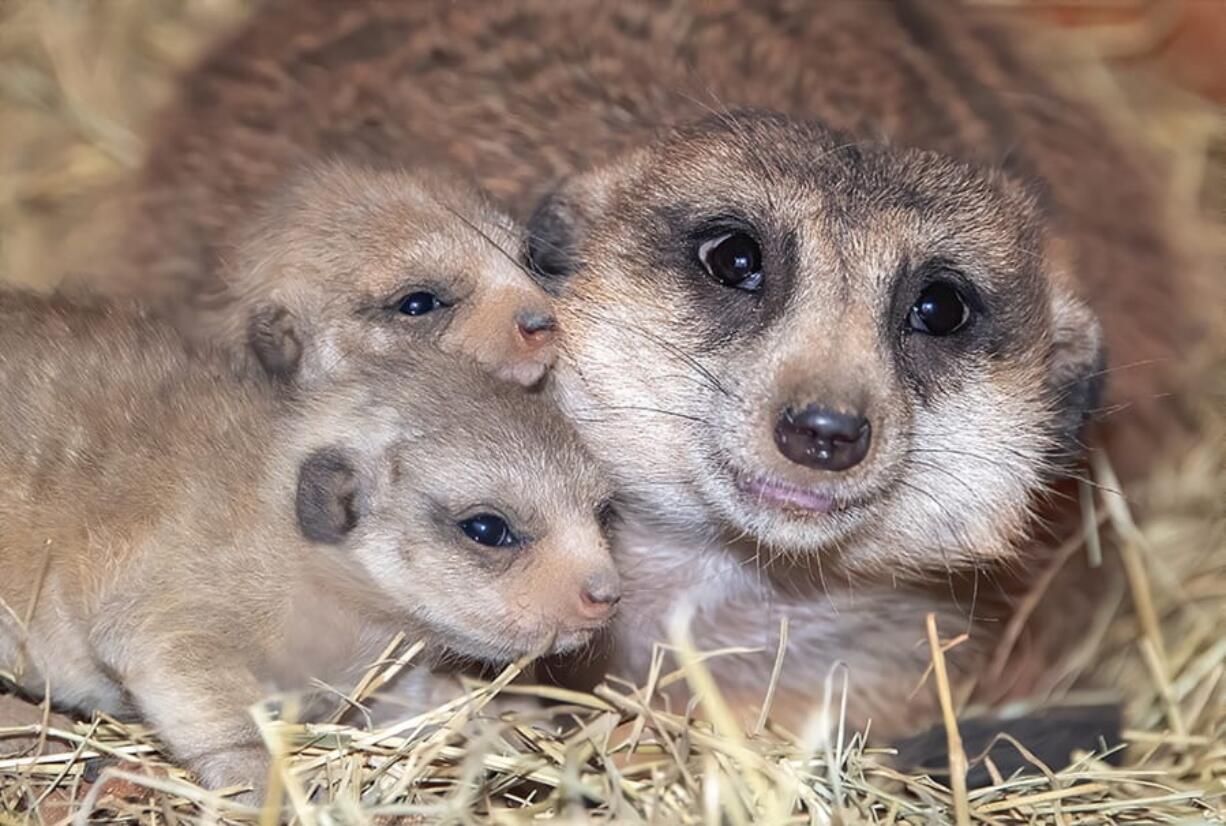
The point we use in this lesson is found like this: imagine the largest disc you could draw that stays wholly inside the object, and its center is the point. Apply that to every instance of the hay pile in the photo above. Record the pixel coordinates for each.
(77, 82)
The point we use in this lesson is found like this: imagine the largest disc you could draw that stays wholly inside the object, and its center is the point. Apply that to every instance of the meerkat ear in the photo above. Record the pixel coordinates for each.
(272, 333)
(328, 504)
(1076, 378)
(560, 223)
(554, 232)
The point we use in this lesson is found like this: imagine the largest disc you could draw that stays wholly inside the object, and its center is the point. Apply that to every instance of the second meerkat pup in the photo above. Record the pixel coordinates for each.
(183, 542)
(346, 263)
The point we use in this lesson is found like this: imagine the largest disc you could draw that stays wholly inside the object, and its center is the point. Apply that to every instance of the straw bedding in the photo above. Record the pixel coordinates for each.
(77, 83)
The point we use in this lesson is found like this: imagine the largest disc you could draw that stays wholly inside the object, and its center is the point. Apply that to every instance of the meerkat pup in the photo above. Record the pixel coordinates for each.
(346, 263)
(178, 542)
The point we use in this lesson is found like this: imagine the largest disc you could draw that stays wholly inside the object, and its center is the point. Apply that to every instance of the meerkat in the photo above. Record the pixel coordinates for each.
(859, 413)
(833, 373)
(345, 263)
(179, 541)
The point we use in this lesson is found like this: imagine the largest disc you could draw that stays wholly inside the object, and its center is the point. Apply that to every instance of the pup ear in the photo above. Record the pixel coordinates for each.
(1075, 381)
(272, 333)
(328, 504)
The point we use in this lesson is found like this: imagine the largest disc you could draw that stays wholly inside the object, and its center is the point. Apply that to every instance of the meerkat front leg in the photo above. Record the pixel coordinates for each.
(198, 697)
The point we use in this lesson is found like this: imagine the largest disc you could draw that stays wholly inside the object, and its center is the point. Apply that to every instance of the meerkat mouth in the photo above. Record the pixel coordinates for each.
(763, 490)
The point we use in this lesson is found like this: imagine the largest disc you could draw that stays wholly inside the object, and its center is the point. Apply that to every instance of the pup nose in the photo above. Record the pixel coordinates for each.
(536, 326)
(819, 438)
(600, 595)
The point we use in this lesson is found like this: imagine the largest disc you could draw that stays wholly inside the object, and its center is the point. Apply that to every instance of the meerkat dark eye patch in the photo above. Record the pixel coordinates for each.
(327, 505)
(273, 336)
(939, 317)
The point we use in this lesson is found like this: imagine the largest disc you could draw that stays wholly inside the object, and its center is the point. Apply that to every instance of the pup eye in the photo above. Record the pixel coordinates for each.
(489, 530)
(734, 260)
(419, 303)
(940, 310)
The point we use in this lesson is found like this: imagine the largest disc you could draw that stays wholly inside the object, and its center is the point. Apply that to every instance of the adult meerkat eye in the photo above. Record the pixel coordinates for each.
(940, 310)
(490, 530)
(734, 259)
(420, 303)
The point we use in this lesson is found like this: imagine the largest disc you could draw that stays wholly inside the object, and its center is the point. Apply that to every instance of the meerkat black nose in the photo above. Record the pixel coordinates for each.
(600, 595)
(824, 439)
(535, 324)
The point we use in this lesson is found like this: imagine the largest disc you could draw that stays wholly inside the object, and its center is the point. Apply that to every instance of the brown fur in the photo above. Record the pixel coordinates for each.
(673, 377)
(184, 541)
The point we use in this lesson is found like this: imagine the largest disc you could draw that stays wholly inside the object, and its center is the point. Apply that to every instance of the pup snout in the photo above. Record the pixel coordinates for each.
(599, 595)
(530, 351)
(822, 438)
(537, 327)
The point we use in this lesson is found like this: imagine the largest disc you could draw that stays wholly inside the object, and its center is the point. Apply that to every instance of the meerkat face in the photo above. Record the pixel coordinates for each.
(354, 264)
(821, 346)
(483, 519)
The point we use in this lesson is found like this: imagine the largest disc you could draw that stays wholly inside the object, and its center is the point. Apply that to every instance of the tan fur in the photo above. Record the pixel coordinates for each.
(531, 96)
(152, 527)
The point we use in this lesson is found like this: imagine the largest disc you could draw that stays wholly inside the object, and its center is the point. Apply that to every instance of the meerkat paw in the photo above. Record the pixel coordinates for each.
(244, 768)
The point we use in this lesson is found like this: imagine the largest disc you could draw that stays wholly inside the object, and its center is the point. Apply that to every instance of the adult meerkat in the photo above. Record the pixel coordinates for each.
(732, 296)
(885, 365)
(346, 263)
(178, 542)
